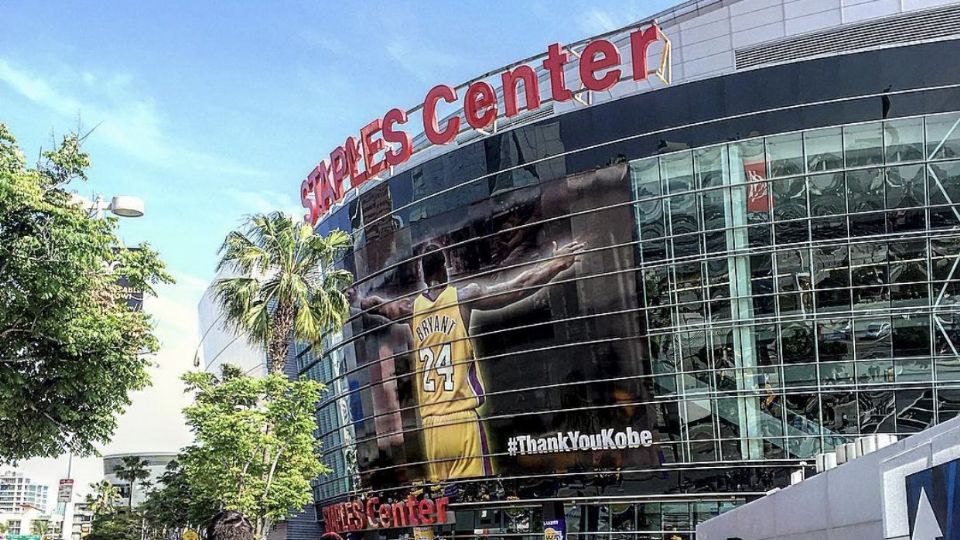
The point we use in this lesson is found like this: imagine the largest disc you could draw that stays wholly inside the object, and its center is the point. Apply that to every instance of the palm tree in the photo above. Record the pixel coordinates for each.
(286, 284)
(40, 527)
(104, 498)
(133, 469)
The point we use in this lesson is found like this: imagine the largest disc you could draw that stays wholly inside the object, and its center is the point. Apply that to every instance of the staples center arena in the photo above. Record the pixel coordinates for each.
(630, 283)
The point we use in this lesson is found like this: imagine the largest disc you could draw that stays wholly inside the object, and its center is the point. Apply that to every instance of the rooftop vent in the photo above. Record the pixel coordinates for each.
(924, 25)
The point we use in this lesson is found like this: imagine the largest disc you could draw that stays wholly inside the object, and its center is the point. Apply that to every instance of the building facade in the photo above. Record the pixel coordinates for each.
(632, 310)
(220, 342)
(17, 490)
(82, 521)
(156, 465)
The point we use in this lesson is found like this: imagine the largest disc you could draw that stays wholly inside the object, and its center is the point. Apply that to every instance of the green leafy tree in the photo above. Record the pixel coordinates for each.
(103, 499)
(255, 451)
(132, 469)
(71, 350)
(173, 505)
(286, 285)
(121, 525)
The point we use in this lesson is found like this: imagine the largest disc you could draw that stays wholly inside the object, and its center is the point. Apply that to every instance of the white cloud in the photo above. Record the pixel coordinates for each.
(263, 201)
(420, 60)
(321, 40)
(597, 21)
(123, 119)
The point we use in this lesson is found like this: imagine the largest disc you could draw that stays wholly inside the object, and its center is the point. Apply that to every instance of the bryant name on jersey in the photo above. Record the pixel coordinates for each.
(431, 325)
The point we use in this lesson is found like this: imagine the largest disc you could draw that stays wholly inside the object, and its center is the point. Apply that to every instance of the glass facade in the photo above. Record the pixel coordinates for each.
(765, 275)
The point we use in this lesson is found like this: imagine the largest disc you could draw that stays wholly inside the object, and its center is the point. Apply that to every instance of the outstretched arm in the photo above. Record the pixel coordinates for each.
(529, 281)
(391, 309)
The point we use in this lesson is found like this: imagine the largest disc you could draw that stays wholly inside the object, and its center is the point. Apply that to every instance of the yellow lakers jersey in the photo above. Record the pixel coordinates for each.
(448, 380)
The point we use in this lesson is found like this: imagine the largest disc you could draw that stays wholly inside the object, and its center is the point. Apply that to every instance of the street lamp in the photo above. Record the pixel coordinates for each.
(120, 205)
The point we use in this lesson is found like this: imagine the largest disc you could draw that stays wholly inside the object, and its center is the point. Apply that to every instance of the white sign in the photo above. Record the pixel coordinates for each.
(65, 492)
(576, 441)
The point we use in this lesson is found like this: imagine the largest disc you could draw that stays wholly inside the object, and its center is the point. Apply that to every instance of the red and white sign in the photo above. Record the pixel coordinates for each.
(758, 196)
(65, 491)
(359, 515)
(383, 143)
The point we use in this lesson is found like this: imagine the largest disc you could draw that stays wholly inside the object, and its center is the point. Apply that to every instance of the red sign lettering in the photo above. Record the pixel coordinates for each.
(382, 143)
(353, 516)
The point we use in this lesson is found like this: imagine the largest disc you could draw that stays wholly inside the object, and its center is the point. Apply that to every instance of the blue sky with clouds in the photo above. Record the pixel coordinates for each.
(213, 110)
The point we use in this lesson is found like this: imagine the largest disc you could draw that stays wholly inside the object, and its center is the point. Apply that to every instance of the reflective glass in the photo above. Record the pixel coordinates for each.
(903, 140)
(905, 186)
(943, 136)
(873, 338)
(835, 340)
(911, 336)
(948, 403)
(943, 187)
(785, 155)
(797, 342)
(823, 149)
(914, 410)
(877, 411)
(863, 144)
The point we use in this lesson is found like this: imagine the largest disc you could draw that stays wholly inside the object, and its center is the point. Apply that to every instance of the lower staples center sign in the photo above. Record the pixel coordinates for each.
(359, 515)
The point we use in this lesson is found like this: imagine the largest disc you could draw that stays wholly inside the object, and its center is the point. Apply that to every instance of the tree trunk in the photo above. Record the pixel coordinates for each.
(277, 348)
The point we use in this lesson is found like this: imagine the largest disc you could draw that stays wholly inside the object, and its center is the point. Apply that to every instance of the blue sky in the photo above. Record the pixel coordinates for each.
(213, 110)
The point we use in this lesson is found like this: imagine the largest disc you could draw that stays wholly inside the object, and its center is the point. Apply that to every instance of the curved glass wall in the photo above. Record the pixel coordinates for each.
(750, 301)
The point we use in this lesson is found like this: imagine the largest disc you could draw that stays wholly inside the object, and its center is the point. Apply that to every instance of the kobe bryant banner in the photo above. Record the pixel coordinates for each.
(495, 313)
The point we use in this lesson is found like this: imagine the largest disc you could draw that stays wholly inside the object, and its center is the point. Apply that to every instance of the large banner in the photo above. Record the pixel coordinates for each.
(496, 330)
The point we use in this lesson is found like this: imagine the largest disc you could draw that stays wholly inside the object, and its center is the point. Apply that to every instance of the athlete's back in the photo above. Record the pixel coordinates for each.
(447, 377)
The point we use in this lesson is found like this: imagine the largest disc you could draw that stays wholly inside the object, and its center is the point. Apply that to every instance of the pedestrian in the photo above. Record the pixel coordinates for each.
(229, 525)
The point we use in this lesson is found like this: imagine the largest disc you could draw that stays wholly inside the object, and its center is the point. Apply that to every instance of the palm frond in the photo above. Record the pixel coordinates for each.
(288, 281)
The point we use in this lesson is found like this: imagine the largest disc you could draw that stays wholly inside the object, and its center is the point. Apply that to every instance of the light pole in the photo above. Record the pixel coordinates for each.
(125, 206)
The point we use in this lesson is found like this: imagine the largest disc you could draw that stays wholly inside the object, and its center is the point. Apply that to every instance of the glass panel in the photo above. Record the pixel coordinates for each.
(948, 404)
(903, 140)
(835, 340)
(824, 149)
(836, 373)
(877, 411)
(840, 412)
(700, 431)
(828, 206)
(862, 144)
(790, 206)
(911, 335)
(765, 345)
(865, 190)
(648, 517)
(645, 176)
(905, 186)
(797, 342)
(914, 410)
(875, 371)
(943, 181)
(623, 518)
(873, 338)
(785, 155)
(943, 136)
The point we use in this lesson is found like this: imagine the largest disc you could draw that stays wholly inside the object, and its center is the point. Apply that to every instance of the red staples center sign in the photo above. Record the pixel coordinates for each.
(383, 143)
(359, 515)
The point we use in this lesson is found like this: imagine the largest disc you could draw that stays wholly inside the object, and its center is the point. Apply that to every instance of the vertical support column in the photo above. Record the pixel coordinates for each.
(741, 305)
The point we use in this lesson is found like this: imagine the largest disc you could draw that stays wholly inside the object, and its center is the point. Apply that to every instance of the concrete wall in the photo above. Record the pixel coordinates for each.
(863, 499)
